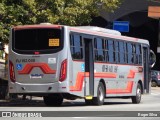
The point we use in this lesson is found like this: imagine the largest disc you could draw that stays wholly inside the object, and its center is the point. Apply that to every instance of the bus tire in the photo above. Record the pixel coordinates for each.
(53, 100)
(99, 100)
(137, 99)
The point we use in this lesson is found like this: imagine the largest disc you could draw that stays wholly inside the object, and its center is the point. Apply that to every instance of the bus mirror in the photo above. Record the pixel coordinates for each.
(1, 46)
(152, 58)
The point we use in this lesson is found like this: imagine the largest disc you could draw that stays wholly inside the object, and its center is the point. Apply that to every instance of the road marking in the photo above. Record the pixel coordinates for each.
(80, 117)
(155, 93)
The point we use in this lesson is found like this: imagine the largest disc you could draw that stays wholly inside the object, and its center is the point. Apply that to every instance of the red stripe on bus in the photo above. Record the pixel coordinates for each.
(43, 66)
(79, 82)
(36, 26)
(128, 89)
(131, 74)
(80, 78)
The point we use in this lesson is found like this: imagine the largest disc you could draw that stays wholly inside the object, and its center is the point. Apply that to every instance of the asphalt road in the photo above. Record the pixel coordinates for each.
(116, 109)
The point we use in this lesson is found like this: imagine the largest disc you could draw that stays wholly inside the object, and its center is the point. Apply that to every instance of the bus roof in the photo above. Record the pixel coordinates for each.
(99, 29)
(106, 33)
(44, 25)
(92, 30)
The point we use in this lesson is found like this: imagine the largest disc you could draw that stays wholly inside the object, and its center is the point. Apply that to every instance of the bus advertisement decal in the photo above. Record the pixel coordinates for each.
(43, 66)
(82, 75)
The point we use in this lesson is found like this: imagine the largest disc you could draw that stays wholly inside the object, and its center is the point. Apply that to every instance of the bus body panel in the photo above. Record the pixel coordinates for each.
(37, 78)
(40, 73)
(120, 81)
(77, 79)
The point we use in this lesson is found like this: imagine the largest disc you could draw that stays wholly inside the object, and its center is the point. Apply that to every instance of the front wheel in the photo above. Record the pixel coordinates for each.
(137, 99)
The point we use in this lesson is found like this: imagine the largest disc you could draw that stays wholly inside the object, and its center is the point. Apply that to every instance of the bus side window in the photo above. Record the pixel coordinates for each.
(138, 54)
(116, 51)
(106, 51)
(130, 53)
(133, 54)
(99, 49)
(76, 46)
(125, 53)
(110, 51)
(122, 52)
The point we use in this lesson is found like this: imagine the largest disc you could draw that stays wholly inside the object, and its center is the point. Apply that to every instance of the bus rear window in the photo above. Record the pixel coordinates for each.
(37, 40)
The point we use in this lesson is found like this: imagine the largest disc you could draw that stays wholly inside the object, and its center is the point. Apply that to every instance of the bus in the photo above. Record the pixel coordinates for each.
(61, 62)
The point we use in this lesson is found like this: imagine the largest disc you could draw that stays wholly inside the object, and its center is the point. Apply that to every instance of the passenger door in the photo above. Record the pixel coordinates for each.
(89, 66)
(146, 69)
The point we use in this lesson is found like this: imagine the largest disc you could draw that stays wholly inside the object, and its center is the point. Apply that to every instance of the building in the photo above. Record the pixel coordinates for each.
(141, 26)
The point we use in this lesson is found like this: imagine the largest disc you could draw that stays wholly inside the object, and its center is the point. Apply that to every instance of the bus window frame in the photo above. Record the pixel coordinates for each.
(106, 50)
(32, 52)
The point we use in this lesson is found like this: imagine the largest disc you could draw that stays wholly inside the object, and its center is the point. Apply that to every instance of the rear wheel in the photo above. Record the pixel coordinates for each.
(53, 100)
(137, 99)
(99, 100)
(153, 84)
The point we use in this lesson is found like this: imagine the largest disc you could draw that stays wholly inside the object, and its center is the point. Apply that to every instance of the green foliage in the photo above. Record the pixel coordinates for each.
(67, 12)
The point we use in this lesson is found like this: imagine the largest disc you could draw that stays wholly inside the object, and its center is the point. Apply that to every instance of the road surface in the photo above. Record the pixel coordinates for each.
(116, 109)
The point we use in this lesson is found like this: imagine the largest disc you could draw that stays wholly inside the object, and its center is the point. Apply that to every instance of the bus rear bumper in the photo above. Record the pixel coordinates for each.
(23, 88)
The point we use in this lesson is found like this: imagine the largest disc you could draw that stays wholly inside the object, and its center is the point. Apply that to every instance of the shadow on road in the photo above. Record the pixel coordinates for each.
(40, 103)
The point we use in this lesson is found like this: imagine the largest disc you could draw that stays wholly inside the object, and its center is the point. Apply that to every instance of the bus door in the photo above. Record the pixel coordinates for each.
(89, 67)
(146, 68)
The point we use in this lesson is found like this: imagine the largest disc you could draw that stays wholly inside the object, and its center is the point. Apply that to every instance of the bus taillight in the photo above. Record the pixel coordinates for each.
(11, 71)
(63, 71)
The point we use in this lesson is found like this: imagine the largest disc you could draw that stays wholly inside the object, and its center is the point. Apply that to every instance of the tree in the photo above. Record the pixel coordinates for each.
(67, 12)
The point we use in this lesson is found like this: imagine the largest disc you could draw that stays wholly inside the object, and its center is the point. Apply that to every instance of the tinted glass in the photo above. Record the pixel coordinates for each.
(138, 54)
(130, 55)
(37, 39)
(122, 52)
(116, 45)
(76, 47)
(99, 49)
(110, 50)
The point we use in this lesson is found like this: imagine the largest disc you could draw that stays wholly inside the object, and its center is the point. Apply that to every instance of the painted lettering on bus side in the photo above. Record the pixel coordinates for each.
(24, 60)
(109, 68)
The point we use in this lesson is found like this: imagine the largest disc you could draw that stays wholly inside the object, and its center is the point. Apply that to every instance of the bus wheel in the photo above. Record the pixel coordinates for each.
(99, 100)
(137, 99)
(53, 100)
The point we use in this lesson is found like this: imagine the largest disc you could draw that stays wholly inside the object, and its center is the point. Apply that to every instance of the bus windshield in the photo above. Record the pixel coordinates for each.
(39, 40)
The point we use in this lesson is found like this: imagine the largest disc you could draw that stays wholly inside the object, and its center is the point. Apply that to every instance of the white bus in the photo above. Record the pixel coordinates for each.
(57, 62)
